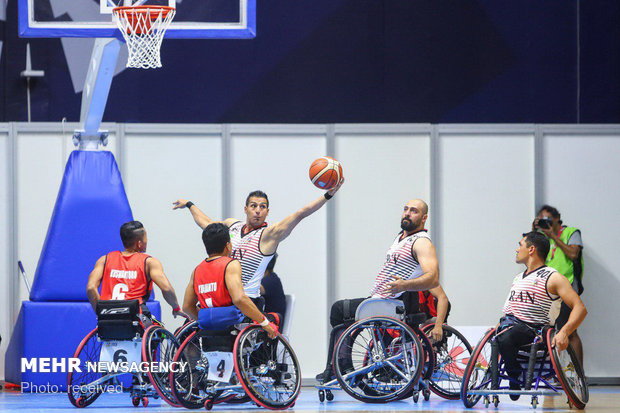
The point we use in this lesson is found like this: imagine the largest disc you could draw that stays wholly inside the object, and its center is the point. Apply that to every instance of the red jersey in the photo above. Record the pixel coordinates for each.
(427, 303)
(125, 277)
(210, 284)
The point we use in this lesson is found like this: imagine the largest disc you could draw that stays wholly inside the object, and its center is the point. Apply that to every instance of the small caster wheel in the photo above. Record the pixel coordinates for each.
(208, 404)
(80, 402)
(534, 401)
(329, 395)
(427, 394)
(495, 400)
(321, 396)
(135, 401)
(486, 401)
(145, 401)
(416, 396)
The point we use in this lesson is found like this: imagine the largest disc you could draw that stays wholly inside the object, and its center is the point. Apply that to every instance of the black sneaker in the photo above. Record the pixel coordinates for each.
(514, 386)
(325, 376)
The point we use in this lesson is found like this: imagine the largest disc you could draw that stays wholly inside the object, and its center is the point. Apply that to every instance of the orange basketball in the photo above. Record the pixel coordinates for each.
(325, 172)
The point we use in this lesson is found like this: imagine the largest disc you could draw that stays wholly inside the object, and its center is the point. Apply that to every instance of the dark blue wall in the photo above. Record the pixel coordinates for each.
(552, 61)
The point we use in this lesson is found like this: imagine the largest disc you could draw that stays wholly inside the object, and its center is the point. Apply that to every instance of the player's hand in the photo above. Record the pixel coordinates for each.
(180, 313)
(271, 329)
(180, 203)
(437, 333)
(560, 341)
(335, 189)
(396, 286)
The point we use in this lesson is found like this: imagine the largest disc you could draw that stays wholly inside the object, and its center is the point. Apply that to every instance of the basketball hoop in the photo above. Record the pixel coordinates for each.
(143, 28)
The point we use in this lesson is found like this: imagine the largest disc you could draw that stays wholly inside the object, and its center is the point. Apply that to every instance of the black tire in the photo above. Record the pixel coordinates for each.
(186, 386)
(88, 350)
(185, 330)
(477, 374)
(451, 355)
(160, 345)
(569, 373)
(267, 369)
(387, 374)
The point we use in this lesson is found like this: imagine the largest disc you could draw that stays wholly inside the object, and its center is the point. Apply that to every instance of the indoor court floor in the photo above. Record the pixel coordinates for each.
(602, 399)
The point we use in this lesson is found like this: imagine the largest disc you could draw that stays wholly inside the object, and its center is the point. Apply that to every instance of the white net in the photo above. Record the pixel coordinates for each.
(143, 28)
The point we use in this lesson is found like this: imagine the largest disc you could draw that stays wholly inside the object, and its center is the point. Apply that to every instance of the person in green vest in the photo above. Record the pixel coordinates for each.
(566, 257)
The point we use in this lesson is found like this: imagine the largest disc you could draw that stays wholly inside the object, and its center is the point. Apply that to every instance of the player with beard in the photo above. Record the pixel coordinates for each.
(411, 265)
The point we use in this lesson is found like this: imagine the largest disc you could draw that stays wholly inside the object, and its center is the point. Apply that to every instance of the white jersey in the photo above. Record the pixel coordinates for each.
(529, 299)
(253, 262)
(400, 263)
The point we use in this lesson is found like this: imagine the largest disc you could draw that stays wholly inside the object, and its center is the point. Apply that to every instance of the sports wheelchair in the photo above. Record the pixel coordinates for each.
(235, 365)
(385, 356)
(123, 335)
(546, 372)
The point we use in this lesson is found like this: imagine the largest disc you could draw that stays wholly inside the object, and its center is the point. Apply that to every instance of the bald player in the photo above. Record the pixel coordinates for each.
(410, 265)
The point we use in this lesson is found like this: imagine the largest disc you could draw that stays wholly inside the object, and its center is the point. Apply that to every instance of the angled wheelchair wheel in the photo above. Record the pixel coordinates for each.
(80, 388)
(160, 345)
(185, 330)
(267, 369)
(190, 386)
(569, 373)
(452, 353)
(477, 374)
(378, 359)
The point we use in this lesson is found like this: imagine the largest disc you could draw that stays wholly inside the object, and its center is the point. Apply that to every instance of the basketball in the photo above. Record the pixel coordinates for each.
(325, 172)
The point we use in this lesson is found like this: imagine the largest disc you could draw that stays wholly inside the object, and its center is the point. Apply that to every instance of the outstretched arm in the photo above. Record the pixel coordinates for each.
(156, 272)
(427, 257)
(94, 279)
(200, 218)
(241, 300)
(274, 234)
(559, 285)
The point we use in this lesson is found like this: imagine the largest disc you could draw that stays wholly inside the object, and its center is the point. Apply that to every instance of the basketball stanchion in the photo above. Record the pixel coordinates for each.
(143, 28)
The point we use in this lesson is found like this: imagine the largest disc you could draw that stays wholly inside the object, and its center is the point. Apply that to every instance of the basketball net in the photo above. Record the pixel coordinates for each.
(143, 28)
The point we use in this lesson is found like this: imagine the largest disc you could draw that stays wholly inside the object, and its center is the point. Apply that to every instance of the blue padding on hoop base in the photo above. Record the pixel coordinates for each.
(51, 330)
(90, 208)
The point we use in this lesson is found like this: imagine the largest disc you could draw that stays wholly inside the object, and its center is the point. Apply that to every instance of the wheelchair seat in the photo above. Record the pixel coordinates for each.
(379, 307)
(118, 319)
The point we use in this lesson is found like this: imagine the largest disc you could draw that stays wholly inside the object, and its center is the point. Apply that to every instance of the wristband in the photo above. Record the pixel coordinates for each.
(189, 204)
(176, 309)
(328, 196)
(264, 323)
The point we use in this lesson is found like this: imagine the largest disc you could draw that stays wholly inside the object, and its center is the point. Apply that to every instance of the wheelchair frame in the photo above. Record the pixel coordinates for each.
(426, 373)
(240, 387)
(543, 373)
(140, 391)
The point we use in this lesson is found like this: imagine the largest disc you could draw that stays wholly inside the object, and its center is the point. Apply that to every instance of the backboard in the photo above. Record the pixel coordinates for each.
(194, 19)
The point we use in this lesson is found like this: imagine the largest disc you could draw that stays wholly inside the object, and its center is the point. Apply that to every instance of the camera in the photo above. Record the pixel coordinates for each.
(544, 223)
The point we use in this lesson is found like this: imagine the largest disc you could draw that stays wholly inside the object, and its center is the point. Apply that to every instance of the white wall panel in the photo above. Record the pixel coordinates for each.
(581, 174)
(6, 267)
(486, 192)
(158, 169)
(277, 162)
(383, 171)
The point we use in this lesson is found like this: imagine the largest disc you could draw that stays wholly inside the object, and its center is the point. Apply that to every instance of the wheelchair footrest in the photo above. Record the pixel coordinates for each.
(519, 392)
(330, 385)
